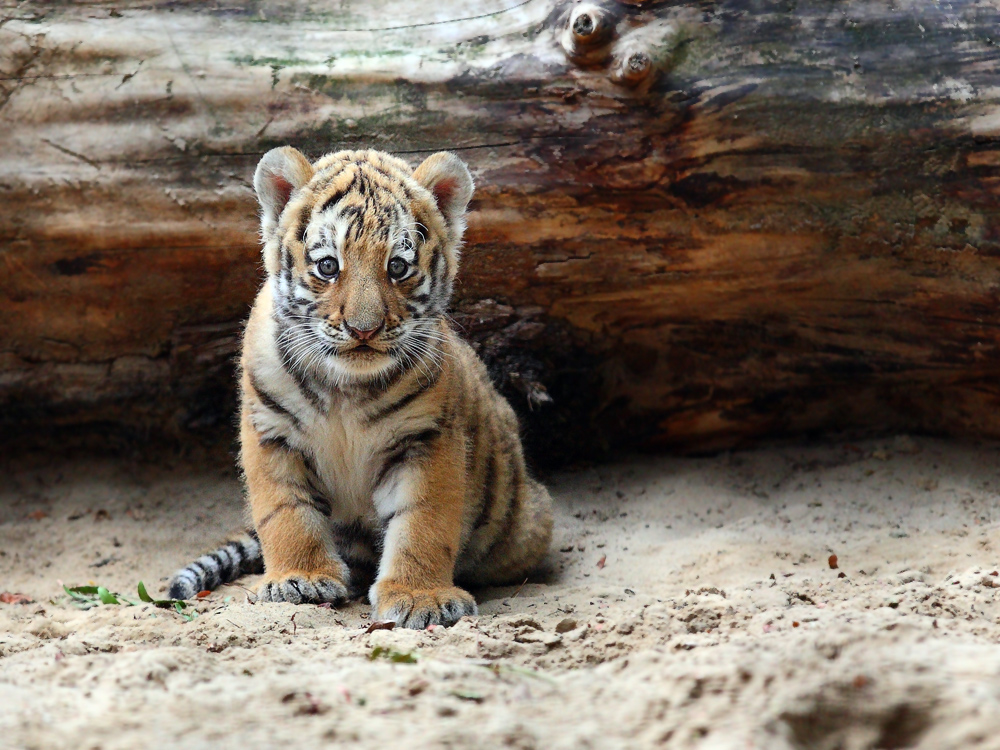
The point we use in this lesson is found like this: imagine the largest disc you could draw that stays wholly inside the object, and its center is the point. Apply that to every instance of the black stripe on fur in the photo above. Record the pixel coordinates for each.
(422, 387)
(489, 493)
(270, 402)
(404, 449)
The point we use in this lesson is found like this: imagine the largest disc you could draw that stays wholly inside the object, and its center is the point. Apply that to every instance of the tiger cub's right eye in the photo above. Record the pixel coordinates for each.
(328, 268)
(398, 268)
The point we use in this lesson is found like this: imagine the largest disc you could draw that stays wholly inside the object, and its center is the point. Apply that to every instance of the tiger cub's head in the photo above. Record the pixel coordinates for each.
(361, 253)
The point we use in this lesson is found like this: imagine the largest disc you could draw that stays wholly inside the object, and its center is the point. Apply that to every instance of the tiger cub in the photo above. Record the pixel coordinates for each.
(374, 445)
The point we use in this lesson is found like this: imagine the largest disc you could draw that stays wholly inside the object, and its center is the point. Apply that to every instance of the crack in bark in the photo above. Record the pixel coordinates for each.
(74, 154)
(432, 23)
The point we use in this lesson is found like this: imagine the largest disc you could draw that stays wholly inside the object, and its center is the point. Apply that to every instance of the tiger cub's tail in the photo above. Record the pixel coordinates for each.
(231, 561)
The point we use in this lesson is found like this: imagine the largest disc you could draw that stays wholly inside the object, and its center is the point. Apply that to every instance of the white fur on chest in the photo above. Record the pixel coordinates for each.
(347, 454)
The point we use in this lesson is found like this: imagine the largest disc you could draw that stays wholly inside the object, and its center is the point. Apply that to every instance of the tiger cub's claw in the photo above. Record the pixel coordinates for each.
(418, 608)
(302, 588)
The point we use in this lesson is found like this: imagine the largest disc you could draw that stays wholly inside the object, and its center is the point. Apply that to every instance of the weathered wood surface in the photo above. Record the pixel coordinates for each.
(790, 224)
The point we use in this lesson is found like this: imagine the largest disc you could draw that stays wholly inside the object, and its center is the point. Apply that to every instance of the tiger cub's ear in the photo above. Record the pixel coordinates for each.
(449, 181)
(281, 172)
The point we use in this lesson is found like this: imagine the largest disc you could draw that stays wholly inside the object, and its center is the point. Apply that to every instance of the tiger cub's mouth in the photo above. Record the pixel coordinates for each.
(364, 350)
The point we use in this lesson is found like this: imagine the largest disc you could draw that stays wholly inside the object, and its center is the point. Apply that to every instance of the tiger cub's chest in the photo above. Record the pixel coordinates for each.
(346, 452)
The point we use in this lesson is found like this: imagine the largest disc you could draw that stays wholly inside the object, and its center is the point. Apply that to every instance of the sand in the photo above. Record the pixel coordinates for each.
(687, 603)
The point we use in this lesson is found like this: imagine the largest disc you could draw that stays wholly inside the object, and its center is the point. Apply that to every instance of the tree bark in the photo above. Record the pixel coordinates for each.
(695, 224)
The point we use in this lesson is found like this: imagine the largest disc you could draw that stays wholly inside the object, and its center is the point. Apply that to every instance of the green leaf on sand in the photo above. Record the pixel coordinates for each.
(391, 654)
(87, 597)
(106, 596)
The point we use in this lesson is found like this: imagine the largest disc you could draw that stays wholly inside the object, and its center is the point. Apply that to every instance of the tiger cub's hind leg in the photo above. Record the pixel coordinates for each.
(517, 548)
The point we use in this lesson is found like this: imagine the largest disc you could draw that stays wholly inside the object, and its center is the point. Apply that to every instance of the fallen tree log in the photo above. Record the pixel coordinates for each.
(695, 224)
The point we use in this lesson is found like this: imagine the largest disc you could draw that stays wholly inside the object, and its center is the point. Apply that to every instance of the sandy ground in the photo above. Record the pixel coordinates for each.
(687, 603)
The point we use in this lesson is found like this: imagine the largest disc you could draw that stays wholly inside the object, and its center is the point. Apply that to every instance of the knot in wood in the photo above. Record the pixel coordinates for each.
(632, 67)
(590, 27)
(637, 65)
(583, 26)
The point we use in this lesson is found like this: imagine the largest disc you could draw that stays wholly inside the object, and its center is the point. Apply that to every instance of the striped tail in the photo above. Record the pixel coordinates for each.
(231, 561)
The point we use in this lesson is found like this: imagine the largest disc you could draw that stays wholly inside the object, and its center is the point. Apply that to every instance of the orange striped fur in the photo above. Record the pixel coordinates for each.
(373, 442)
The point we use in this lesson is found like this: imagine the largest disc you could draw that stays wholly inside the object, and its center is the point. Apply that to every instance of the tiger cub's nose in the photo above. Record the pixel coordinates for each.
(363, 333)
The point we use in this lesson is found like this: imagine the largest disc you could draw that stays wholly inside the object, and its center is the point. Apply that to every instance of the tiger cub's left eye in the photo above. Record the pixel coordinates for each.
(328, 268)
(398, 268)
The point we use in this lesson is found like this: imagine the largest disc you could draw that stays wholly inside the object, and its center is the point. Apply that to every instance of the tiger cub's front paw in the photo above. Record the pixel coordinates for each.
(302, 588)
(418, 608)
